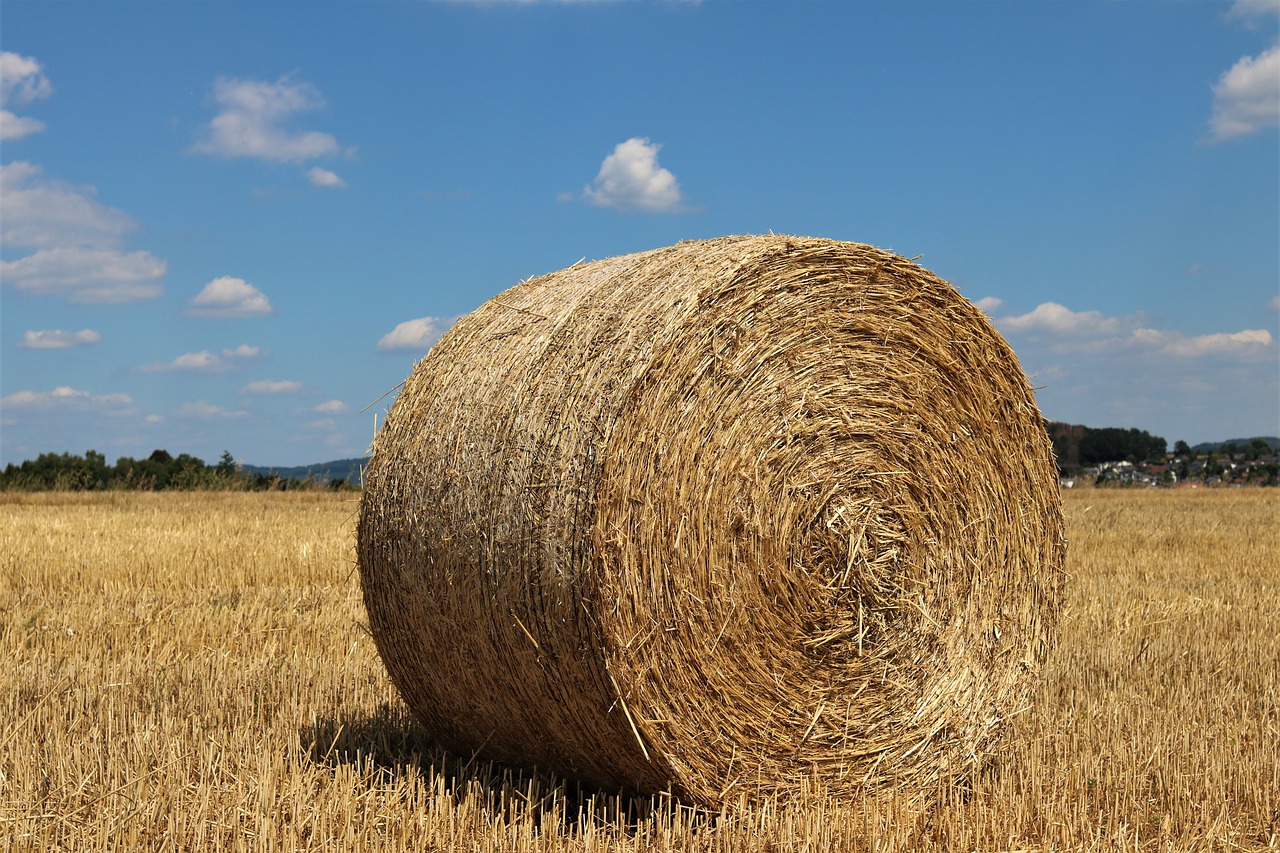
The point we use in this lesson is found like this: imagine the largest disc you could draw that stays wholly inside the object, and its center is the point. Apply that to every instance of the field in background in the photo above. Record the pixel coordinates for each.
(190, 671)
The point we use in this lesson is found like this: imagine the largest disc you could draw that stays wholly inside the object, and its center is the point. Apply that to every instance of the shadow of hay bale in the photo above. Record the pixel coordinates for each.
(388, 744)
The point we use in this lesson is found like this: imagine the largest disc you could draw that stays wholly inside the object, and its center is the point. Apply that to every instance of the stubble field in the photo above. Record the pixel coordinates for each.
(191, 672)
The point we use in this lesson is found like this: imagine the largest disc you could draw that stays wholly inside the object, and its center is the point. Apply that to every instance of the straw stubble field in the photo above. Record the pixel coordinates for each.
(193, 672)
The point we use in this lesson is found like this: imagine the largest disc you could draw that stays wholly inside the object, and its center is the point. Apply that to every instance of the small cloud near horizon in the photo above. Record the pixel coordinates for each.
(204, 411)
(64, 397)
(1066, 331)
(267, 386)
(204, 361)
(58, 339)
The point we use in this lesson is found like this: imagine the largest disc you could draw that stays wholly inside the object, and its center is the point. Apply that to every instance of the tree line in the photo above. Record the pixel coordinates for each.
(1077, 446)
(161, 471)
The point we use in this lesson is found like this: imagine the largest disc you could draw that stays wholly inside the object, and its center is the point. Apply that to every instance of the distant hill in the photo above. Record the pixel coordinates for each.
(1240, 443)
(322, 472)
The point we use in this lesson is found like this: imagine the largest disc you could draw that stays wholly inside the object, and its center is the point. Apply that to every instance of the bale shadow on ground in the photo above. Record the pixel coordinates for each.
(390, 743)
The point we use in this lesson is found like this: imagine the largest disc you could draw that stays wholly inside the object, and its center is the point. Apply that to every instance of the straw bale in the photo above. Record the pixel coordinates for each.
(715, 519)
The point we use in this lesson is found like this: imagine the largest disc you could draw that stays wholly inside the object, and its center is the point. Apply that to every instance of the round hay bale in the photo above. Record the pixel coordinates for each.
(715, 519)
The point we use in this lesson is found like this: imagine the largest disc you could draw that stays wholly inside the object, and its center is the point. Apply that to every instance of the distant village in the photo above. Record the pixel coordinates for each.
(1133, 458)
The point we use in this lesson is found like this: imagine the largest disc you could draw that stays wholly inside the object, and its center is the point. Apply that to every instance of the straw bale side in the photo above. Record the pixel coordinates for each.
(715, 518)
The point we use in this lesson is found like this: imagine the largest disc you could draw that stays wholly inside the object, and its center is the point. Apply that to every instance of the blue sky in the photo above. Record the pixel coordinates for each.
(237, 225)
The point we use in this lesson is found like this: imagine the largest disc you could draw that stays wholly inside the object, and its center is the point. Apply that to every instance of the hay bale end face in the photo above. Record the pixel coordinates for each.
(715, 519)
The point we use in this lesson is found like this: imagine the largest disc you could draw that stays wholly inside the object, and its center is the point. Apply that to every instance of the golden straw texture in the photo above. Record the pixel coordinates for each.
(715, 519)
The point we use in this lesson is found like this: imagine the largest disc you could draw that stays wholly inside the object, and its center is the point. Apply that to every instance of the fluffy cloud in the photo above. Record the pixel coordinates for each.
(229, 297)
(1065, 331)
(1052, 318)
(1165, 342)
(324, 178)
(42, 214)
(58, 339)
(1251, 11)
(419, 335)
(331, 407)
(204, 361)
(64, 398)
(252, 119)
(631, 179)
(988, 304)
(267, 386)
(1107, 370)
(79, 242)
(1274, 304)
(22, 81)
(1246, 98)
(87, 275)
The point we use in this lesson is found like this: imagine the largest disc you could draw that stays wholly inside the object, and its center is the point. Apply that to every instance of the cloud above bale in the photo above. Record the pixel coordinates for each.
(415, 335)
(631, 179)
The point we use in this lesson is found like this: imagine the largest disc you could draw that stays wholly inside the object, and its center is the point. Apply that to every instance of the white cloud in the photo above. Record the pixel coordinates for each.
(1165, 342)
(58, 339)
(1246, 97)
(332, 407)
(229, 297)
(15, 127)
(420, 334)
(320, 424)
(1251, 10)
(43, 214)
(64, 398)
(204, 361)
(78, 241)
(631, 179)
(267, 386)
(22, 81)
(87, 275)
(988, 304)
(1052, 318)
(202, 411)
(252, 118)
(1065, 331)
(1274, 304)
(324, 178)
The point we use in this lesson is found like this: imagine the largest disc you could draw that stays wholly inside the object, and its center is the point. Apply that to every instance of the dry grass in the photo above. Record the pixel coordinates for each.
(191, 672)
